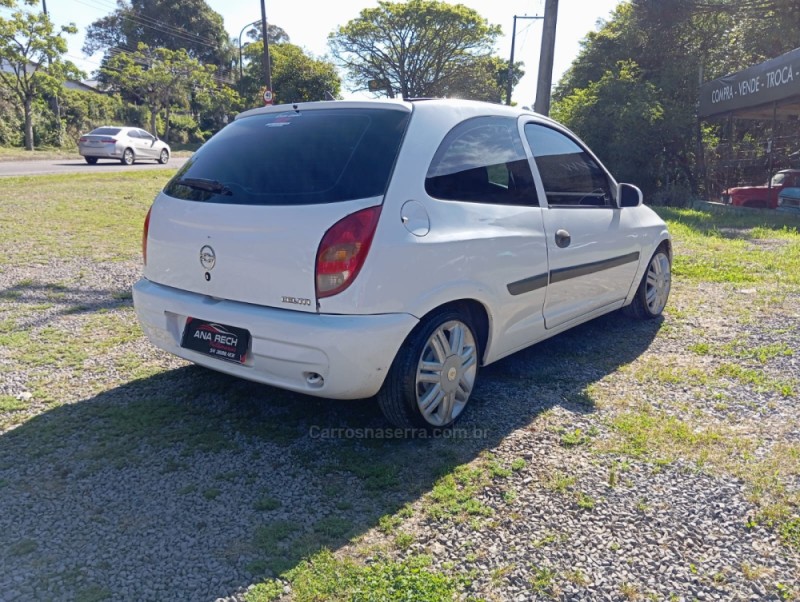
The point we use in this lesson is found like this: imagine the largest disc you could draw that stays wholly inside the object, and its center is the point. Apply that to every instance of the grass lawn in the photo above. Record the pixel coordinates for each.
(72, 340)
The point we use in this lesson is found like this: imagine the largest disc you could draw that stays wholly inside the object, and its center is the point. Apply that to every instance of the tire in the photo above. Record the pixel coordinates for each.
(128, 157)
(163, 157)
(433, 374)
(91, 160)
(653, 291)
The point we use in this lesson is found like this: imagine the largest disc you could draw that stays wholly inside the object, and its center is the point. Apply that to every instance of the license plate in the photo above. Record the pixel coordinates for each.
(218, 340)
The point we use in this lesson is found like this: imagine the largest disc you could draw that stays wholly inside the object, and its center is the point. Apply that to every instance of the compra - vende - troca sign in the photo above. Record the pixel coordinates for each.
(772, 81)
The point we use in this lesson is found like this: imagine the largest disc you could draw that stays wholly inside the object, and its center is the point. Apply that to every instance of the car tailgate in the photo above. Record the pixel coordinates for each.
(257, 254)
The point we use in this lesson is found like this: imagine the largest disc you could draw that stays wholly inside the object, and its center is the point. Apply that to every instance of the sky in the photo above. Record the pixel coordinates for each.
(309, 23)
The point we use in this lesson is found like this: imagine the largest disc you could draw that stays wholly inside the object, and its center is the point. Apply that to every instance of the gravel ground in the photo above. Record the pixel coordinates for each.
(132, 476)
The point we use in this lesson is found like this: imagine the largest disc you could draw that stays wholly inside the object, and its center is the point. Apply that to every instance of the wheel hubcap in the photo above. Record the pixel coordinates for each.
(659, 280)
(446, 373)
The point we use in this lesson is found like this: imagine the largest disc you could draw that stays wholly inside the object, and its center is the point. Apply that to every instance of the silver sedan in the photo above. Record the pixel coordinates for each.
(125, 144)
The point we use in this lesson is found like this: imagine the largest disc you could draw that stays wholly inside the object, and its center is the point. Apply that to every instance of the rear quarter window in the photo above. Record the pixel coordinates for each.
(482, 160)
(297, 158)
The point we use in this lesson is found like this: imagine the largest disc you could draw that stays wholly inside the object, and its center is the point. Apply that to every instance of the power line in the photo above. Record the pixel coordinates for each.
(176, 32)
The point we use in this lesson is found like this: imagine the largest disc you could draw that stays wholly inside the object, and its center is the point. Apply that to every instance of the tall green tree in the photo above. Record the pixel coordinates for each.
(608, 112)
(160, 78)
(486, 79)
(419, 47)
(189, 25)
(31, 53)
(276, 34)
(668, 48)
(296, 76)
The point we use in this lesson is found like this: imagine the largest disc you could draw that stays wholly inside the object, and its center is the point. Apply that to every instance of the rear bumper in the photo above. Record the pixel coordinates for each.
(101, 152)
(351, 353)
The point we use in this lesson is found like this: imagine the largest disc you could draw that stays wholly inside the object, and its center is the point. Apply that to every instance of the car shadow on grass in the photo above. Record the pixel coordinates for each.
(193, 485)
(42, 302)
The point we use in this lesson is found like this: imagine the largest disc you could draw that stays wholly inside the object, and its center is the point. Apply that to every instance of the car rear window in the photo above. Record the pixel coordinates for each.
(105, 132)
(295, 158)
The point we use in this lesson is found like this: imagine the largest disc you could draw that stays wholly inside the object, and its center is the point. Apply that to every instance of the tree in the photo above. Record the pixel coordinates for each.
(161, 78)
(296, 76)
(419, 47)
(31, 52)
(189, 25)
(666, 46)
(276, 35)
(607, 114)
(485, 78)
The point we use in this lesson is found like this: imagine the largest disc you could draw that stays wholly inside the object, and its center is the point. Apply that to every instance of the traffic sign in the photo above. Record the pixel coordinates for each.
(267, 97)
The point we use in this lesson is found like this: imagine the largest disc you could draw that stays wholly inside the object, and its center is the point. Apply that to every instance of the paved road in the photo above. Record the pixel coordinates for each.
(59, 166)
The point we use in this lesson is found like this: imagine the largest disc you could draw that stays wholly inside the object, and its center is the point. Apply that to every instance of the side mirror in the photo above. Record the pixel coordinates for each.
(629, 195)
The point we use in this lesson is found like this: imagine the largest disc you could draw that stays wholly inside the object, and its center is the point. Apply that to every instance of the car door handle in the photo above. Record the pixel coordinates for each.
(562, 238)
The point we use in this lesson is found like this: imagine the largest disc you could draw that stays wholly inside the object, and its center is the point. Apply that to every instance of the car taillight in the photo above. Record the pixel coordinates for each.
(145, 230)
(343, 250)
(83, 139)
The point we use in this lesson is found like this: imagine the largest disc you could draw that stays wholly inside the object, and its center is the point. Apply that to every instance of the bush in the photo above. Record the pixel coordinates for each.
(183, 129)
(10, 124)
(679, 195)
(82, 111)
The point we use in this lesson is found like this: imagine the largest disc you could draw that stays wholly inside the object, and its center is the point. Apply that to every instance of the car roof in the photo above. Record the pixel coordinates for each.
(439, 105)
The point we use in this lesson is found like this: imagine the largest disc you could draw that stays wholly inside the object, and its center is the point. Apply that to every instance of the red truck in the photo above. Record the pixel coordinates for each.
(762, 197)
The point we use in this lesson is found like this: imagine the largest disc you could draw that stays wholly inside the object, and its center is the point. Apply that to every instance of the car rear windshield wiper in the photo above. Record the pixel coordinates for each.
(207, 185)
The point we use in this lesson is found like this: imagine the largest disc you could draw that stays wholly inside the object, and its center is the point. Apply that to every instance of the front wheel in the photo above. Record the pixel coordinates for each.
(653, 291)
(163, 157)
(432, 377)
(127, 157)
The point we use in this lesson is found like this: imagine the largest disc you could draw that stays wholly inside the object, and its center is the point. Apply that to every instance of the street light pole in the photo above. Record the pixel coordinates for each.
(510, 83)
(253, 24)
(267, 66)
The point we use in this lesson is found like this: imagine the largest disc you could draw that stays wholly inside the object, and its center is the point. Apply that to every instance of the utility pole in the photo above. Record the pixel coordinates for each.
(55, 103)
(267, 66)
(510, 83)
(545, 80)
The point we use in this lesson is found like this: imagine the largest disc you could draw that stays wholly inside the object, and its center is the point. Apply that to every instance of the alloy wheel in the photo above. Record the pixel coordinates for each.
(446, 373)
(658, 283)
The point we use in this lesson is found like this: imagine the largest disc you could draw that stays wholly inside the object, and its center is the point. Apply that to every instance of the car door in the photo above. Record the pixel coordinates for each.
(146, 142)
(592, 247)
(135, 141)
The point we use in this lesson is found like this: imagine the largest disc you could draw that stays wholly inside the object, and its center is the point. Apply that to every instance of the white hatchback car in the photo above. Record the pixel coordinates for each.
(124, 144)
(390, 248)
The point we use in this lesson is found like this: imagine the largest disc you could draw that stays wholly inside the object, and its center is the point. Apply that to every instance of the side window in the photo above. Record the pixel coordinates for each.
(571, 177)
(482, 160)
(143, 135)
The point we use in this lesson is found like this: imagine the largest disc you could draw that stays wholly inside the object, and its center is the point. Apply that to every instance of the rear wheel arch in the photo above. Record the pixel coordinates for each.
(404, 396)
(478, 316)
